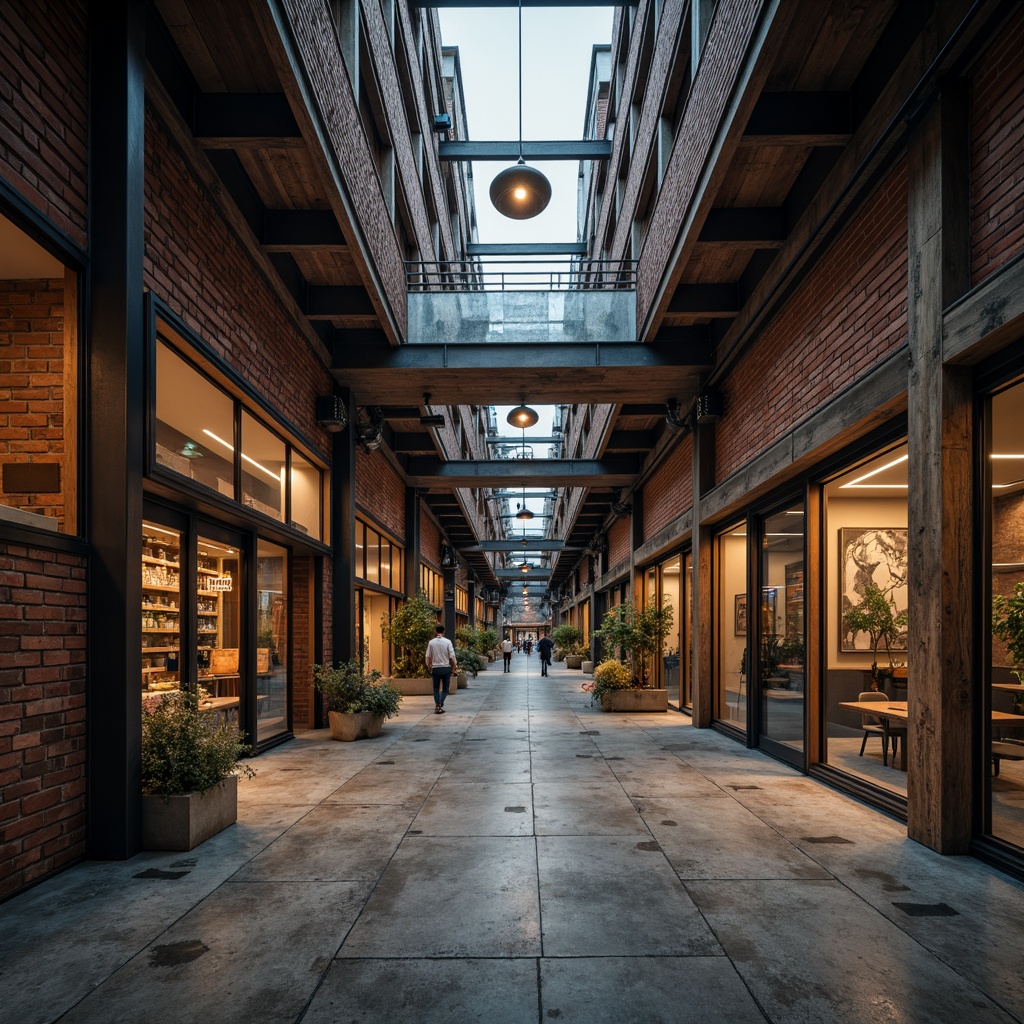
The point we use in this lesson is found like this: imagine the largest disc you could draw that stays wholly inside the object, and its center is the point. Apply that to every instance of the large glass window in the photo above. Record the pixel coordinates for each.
(39, 383)
(672, 596)
(272, 653)
(781, 625)
(195, 438)
(1006, 651)
(865, 601)
(733, 624)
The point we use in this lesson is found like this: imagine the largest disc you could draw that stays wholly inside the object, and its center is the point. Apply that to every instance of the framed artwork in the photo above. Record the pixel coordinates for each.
(769, 609)
(871, 555)
(741, 615)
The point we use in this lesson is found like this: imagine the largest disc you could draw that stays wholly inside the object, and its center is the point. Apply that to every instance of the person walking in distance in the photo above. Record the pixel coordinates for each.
(440, 659)
(544, 648)
(506, 653)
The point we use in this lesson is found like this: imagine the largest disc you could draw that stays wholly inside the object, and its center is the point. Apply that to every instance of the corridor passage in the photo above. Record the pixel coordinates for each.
(522, 859)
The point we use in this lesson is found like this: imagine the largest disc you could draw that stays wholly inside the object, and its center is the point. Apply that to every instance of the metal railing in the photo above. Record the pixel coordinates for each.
(575, 274)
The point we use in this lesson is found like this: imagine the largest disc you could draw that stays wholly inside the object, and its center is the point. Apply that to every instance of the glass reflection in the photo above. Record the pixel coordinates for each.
(272, 614)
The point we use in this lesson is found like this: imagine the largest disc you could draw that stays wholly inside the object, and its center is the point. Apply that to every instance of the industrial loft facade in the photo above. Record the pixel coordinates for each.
(250, 350)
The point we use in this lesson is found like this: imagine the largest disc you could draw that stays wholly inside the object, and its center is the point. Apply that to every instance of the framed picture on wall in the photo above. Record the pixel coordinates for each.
(741, 614)
(871, 555)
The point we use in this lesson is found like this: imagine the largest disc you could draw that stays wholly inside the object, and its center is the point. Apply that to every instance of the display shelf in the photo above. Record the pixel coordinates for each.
(150, 560)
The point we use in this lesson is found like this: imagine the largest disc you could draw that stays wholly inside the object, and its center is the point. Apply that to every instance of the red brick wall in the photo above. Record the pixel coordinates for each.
(997, 152)
(32, 384)
(618, 542)
(302, 643)
(669, 492)
(380, 492)
(850, 312)
(43, 101)
(430, 541)
(196, 264)
(42, 712)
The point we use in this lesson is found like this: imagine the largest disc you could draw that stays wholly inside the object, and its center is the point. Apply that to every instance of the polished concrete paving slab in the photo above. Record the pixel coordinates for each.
(521, 859)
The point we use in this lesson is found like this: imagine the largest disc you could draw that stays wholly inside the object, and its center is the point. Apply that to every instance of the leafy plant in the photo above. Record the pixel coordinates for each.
(566, 637)
(638, 633)
(876, 615)
(185, 749)
(609, 676)
(469, 661)
(348, 689)
(1008, 626)
(409, 630)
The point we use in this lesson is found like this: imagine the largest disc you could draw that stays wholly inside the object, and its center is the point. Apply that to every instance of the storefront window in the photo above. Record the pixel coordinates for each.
(732, 627)
(672, 596)
(263, 466)
(307, 498)
(1006, 529)
(432, 584)
(195, 424)
(865, 601)
(272, 653)
(781, 624)
(161, 610)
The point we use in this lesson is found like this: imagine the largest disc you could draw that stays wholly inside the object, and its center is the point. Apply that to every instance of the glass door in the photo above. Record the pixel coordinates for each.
(272, 640)
(781, 659)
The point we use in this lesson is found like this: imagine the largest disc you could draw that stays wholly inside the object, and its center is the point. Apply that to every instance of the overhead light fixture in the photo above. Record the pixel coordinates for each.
(331, 413)
(520, 192)
(522, 416)
(190, 450)
(524, 513)
(524, 567)
(442, 123)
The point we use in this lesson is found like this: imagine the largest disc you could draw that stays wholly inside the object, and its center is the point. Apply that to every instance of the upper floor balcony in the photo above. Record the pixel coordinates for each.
(527, 301)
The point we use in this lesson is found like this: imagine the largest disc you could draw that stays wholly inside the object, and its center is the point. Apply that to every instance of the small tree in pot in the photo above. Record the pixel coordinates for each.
(357, 702)
(1008, 626)
(409, 630)
(876, 615)
(639, 634)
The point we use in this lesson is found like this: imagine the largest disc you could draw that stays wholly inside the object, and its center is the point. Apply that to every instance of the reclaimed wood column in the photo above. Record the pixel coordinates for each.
(702, 689)
(939, 654)
(343, 537)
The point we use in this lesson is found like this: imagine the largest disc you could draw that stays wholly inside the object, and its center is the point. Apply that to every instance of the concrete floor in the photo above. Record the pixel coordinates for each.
(524, 858)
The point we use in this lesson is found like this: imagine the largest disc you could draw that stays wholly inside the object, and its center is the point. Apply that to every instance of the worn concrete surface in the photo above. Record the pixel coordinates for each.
(521, 859)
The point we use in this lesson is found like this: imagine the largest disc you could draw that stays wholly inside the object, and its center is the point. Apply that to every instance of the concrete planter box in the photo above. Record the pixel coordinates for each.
(559, 656)
(420, 686)
(636, 700)
(183, 822)
(462, 681)
(358, 725)
(587, 666)
(574, 661)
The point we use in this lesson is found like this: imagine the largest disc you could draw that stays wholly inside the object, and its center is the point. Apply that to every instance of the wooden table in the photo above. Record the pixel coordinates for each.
(896, 710)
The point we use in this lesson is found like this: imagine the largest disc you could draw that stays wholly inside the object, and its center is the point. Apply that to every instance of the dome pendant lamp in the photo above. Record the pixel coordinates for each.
(520, 192)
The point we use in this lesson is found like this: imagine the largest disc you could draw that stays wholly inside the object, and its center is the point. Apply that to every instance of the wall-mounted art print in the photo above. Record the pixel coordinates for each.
(741, 615)
(871, 555)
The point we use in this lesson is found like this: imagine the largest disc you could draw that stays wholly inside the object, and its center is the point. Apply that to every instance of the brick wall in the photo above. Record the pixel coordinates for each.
(380, 492)
(618, 542)
(302, 643)
(42, 712)
(430, 541)
(197, 265)
(669, 492)
(849, 313)
(43, 109)
(997, 152)
(32, 384)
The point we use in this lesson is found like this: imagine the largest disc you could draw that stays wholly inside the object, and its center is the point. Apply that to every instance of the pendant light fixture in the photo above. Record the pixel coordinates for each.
(520, 192)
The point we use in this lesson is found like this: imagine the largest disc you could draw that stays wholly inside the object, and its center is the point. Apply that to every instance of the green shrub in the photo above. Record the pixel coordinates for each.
(566, 637)
(187, 750)
(609, 676)
(347, 689)
(469, 661)
(409, 630)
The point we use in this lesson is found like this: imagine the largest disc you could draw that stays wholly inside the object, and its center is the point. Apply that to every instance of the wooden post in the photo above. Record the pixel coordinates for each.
(939, 654)
(343, 538)
(413, 503)
(701, 683)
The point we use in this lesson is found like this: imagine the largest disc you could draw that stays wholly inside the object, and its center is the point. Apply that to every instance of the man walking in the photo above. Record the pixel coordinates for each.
(544, 648)
(440, 659)
(506, 653)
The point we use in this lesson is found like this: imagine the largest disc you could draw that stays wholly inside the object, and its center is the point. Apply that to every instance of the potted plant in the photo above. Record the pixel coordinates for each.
(610, 677)
(639, 635)
(409, 629)
(190, 769)
(1008, 626)
(876, 615)
(470, 664)
(566, 639)
(358, 703)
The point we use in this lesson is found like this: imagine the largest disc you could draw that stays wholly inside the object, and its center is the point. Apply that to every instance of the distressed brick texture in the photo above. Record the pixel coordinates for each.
(997, 152)
(430, 541)
(42, 712)
(43, 109)
(618, 542)
(380, 492)
(302, 643)
(198, 266)
(669, 492)
(849, 313)
(32, 384)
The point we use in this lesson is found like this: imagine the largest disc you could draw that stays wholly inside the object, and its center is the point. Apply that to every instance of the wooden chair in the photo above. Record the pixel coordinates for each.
(874, 726)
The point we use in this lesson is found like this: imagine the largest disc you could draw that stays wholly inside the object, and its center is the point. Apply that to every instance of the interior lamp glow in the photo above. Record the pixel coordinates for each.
(524, 513)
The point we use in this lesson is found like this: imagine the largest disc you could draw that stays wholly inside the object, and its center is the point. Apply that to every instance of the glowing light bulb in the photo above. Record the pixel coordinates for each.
(519, 193)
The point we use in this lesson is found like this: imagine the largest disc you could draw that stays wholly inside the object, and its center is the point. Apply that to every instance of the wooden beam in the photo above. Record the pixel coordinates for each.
(800, 119)
(706, 300)
(327, 302)
(301, 230)
(744, 228)
(987, 317)
(232, 120)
